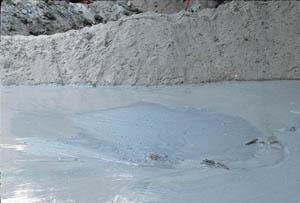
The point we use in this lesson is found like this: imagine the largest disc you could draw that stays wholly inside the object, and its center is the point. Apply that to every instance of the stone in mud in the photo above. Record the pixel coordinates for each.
(252, 141)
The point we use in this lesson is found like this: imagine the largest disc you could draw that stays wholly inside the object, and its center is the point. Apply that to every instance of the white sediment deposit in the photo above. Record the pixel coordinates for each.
(236, 41)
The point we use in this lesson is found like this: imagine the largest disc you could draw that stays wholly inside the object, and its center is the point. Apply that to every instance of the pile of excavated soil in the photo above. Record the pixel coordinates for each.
(236, 41)
(171, 6)
(30, 17)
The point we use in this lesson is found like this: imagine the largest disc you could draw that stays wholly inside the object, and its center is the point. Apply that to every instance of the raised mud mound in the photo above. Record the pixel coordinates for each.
(236, 41)
(147, 133)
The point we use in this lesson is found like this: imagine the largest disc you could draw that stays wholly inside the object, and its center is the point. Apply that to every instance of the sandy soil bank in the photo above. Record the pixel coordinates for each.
(236, 41)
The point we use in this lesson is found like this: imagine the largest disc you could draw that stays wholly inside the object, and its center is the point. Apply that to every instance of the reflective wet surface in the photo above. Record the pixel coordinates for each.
(154, 144)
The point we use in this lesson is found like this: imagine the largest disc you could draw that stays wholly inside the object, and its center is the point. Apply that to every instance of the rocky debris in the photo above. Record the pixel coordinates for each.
(48, 17)
(214, 164)
(31, 17)
(236, 41)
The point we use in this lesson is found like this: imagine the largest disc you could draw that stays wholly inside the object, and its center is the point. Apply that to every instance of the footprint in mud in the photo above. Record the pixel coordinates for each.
(153, 135)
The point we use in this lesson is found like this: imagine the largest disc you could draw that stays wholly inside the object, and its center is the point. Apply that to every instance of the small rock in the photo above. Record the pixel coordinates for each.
(195, 8)
(99, 19)
(252, 141)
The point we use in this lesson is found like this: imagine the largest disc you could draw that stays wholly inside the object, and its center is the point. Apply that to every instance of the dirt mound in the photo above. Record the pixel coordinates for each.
(236, 41)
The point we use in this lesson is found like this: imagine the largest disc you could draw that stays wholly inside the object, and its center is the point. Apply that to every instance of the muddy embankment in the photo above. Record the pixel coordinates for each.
(236, 41)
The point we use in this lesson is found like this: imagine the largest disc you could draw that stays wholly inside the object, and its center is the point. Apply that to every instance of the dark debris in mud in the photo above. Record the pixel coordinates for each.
(252, 142)
(158, 157)
(214, 164)
(292, 129)
(270, 140)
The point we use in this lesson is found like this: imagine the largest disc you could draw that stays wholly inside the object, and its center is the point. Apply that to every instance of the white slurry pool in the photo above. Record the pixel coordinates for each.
(222, 142)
